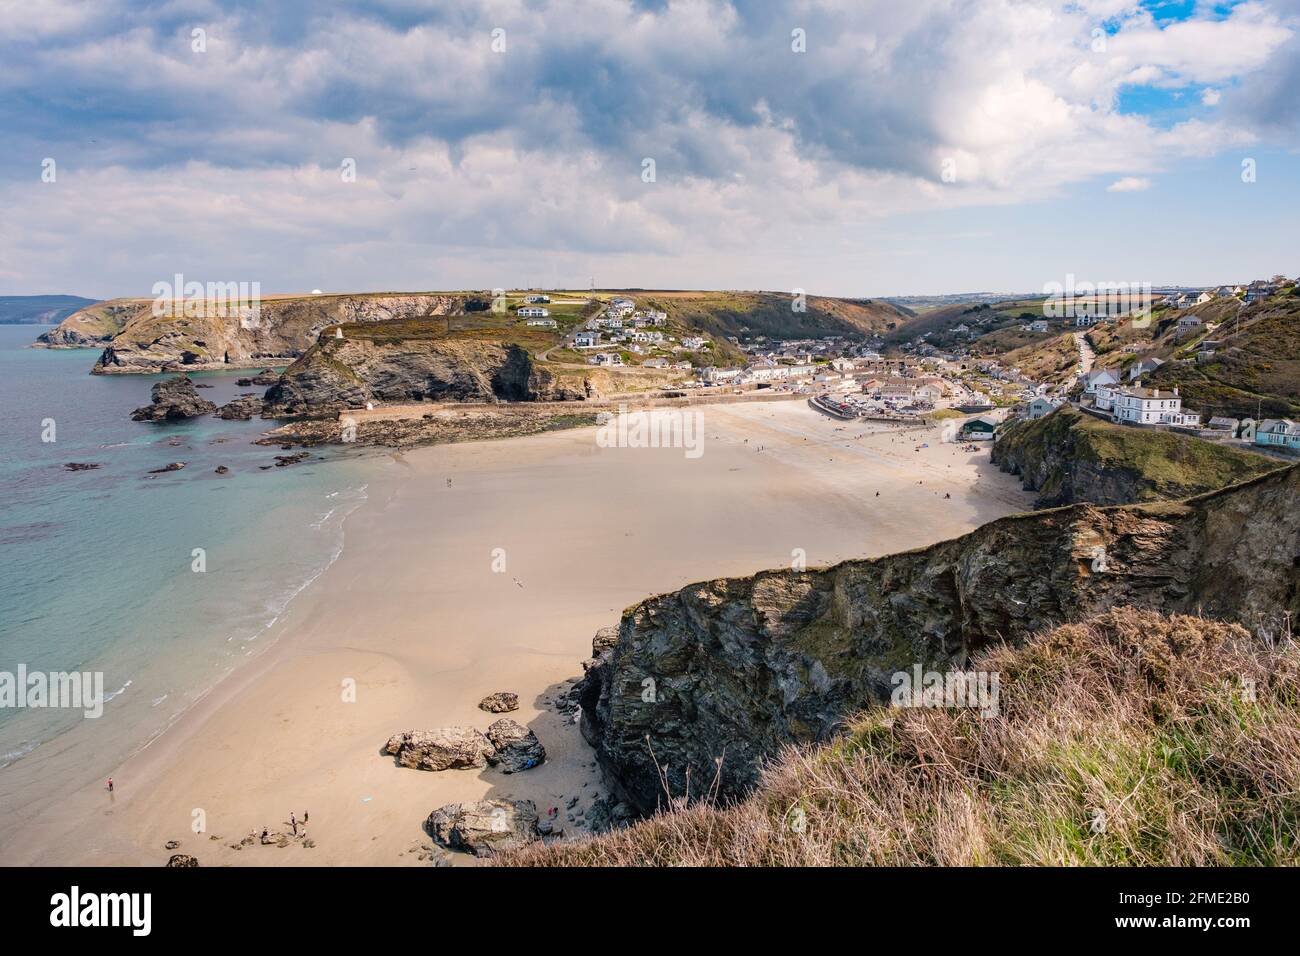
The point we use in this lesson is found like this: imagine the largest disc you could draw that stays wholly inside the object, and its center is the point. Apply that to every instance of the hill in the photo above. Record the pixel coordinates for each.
(1117, 742)
(39, 309)
(1070, 457)
(771, 314)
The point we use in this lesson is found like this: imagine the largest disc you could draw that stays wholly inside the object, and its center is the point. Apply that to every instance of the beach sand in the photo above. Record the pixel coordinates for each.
(414, 613)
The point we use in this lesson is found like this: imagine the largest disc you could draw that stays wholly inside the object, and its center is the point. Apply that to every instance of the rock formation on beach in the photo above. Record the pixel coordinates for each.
(174, 399)
(501, 702)
(241, 409)
(486, 827)
(443, 749)
(515, 747)
(714, 679)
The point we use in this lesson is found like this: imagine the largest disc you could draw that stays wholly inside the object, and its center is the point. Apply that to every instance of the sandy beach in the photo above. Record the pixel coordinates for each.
(415, 614)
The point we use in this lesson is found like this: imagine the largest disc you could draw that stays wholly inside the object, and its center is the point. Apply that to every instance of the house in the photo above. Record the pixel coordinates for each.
(657, 318)
(1257, 294)
(1206, 296)
(586, 340)
(1220, 424)
(605, 358)
(1278, 433)
(542, 323)
(539, 298)
(1138, 369)
(927, 392)
(1151, 406)
(533, 312)
(1042, 406)
(655, 363)
(1039, 325)
(978, 429)
(1188, 323)
(1099, 376)
(692, 342)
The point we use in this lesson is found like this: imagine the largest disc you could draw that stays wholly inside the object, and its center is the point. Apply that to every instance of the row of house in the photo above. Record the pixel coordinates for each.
(1135, 405)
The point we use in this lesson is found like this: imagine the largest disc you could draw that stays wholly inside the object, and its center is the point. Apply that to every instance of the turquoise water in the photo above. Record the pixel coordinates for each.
(97, 567)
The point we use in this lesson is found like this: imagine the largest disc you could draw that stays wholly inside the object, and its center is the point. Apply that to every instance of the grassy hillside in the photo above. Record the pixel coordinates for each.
(1118, 741)
(1256, 365)
(1053, 358)
(771, 314)
(1069, 456)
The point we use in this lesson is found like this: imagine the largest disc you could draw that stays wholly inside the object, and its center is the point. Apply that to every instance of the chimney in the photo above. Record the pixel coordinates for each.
(1175, 389)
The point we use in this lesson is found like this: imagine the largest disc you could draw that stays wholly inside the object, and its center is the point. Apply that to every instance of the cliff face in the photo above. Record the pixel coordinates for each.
(138, 341)
(348, 372)
(91, 327)
(1070, 457)
(735, 669)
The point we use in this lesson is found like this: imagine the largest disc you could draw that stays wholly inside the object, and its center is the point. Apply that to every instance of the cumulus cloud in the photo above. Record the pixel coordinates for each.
(526, 154)
(1129, 184)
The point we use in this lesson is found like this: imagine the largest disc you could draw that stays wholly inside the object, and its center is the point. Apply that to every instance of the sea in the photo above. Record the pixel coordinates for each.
(163, 583)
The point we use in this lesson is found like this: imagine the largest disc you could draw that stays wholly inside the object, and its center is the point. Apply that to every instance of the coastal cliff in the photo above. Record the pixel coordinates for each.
(718, 677)
(136, 340)
(418, 361)
(1069, 457)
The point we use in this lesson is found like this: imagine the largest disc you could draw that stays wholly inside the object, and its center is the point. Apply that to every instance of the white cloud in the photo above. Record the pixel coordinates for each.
(1129, 184)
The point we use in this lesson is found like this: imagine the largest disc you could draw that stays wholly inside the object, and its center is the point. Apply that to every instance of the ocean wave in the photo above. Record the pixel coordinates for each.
(26, 747)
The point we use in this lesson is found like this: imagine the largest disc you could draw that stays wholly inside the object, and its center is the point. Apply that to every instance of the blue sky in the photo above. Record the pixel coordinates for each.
(928, 147)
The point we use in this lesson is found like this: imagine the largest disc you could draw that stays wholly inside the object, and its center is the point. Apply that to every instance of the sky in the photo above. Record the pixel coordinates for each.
(842, 147)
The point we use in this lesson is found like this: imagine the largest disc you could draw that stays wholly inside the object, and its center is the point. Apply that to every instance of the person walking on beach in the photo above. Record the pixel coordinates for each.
(304, 818)
(110, 784)
(293, 822)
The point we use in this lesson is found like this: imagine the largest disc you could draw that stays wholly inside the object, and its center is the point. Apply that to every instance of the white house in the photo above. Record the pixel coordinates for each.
(1278, 433)
(542, 323)
(1151, 406)
(539, 298)
(1206, 296)
(586, 339)
(1099, 376)
(533, 312)
(1188, 323)
(693, 342)
(606, 358)
(655, 363)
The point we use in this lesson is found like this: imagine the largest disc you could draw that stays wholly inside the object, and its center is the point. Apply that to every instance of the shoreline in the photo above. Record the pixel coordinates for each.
(221, 754)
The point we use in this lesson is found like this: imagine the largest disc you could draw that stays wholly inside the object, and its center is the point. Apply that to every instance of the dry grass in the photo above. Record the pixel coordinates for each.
(1131, 739)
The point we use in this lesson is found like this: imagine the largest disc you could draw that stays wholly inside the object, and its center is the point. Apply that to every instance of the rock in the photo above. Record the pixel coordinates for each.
(743, 667)
(222, 470)
(605, 638)
(516, 747)
(501, 702)
(174, 466)
(182, 859)
(174, 399)
(282, 461)
(81, 466)
(241, 409)
(607, 814)
(171, 844)
(444, 749)
(268, 376)
(485, 827)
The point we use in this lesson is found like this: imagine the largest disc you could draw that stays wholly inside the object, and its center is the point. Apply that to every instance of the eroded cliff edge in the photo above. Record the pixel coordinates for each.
(734, 669)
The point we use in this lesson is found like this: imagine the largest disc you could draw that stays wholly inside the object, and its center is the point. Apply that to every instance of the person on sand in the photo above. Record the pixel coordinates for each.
(304, 818)
(110, 784)
(293, 823)
(265, 833)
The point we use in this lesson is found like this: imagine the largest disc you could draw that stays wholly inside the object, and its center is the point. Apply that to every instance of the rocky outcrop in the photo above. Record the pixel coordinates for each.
(712, 680)
(443, 749)
(241, 409)
(91, 327)
(412, 365)
(1070, 457)
(486, 827)
(216, 336)
(501, 702)
(516, 747)
(182, 860)
(174, 399)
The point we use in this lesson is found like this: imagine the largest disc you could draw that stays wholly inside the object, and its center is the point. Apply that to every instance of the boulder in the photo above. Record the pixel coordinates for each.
(171, 466)
(241, 409)
(174, 399)
(605, 638)
(501, 702)
(182, 859)
(485, 827)
(443, 749)
(515, 746)
(81, 465)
